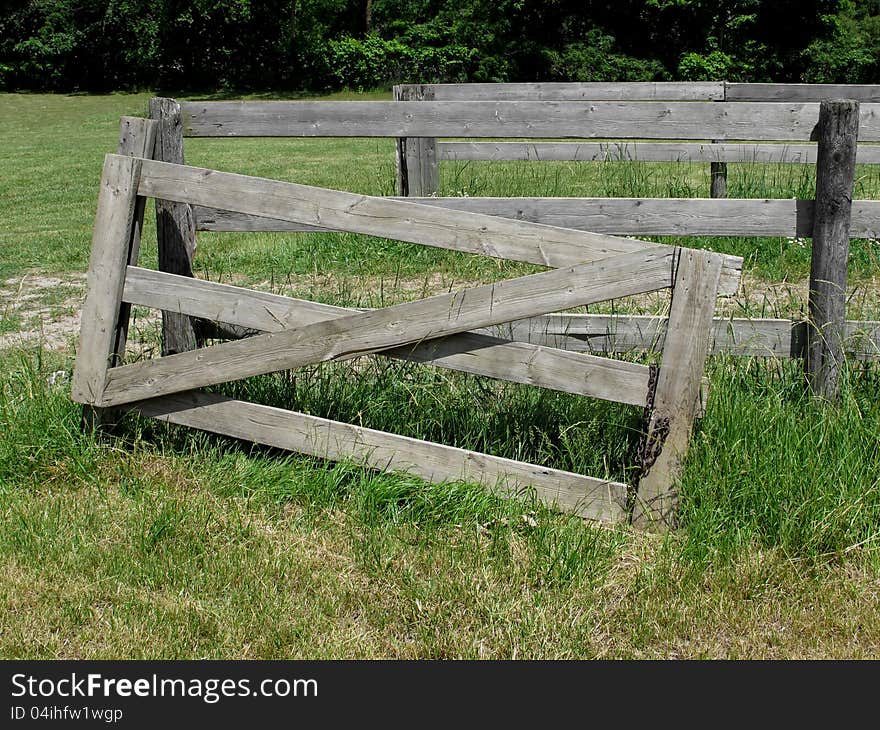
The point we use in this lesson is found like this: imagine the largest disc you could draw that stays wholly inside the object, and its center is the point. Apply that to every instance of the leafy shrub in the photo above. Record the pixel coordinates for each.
(595, 60)
(850, 53)
(705, 66)
(375, 62)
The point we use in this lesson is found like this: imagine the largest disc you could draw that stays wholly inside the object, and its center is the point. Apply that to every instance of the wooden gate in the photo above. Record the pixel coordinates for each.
(585, 268)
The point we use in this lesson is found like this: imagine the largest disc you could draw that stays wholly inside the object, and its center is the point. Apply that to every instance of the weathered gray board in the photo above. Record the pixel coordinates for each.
(518, 362)
(591, 498)
(659, 91)
(675, 402)
(642, 152)
(111, 245)
(402, 220)
(723, 121)
(579, 91)
(615, 216)
(801, 92)
(599, 333)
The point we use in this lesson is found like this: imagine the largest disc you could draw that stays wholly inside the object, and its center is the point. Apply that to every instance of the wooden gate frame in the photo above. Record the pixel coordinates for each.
(585, 268)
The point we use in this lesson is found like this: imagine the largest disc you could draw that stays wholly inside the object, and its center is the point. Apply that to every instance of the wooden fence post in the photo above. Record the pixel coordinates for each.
(416, 159)
(718, 173)
(837, 134)
(137, 138)
(678, 388)
(175, 226)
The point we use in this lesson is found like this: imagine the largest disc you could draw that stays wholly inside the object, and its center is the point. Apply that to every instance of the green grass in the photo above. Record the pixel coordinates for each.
(164, 542)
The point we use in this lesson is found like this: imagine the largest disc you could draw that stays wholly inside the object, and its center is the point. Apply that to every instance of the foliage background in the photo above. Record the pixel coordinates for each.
(320, 45)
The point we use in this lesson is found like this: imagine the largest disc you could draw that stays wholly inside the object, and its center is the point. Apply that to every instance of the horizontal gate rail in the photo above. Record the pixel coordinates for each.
(402, 220)
(622, 333)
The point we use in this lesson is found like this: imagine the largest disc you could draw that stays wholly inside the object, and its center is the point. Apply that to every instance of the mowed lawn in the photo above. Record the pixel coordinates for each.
(167, 543)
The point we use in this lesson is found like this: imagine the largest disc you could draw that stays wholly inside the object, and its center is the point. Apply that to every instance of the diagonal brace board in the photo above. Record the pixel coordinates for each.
(428, 225)
(479, 354)
(396, 326)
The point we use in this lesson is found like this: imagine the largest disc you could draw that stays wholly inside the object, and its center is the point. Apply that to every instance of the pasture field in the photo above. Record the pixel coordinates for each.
(164, 543)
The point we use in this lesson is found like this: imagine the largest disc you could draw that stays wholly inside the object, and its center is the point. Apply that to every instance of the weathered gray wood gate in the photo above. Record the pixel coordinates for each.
(585, 268)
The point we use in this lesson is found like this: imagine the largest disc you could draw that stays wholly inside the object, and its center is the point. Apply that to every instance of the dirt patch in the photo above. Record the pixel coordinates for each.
(41, 310)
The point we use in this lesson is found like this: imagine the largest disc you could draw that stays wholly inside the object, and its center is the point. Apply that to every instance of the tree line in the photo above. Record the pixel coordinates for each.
(316, 45)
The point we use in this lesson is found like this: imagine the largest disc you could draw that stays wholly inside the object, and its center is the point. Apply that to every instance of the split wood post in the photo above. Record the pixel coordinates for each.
(137, 137)
(111, 243)
(678, 388)
(837, 134)
(718, 173)
(175, 226)
(416, 157)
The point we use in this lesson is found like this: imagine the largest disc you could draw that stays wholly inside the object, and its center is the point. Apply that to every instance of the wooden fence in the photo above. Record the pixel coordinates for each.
(585, 268)
(732, 114)
(419, 158)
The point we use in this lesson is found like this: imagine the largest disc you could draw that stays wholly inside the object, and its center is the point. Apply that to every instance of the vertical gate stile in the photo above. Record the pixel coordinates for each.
(111, 245)
(678, 388)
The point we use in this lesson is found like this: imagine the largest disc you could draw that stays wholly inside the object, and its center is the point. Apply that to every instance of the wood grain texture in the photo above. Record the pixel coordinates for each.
(580, 91)
(518, 362)
(591, 498)
(838, 134)
(416, 157)
(175, 225)
(615, 216)
(104, 282)
(604, 333)
(676, 399)
(396, 326)
(641, 151)
(518, 119)
(402, 220)
(137, 138)
(717, 177)
(801, 92)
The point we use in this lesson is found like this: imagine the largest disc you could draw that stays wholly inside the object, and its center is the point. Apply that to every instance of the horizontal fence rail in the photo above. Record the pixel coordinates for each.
(578, 91)
(640, 152)
(746, 217)
(801, 92)
(506, 119)
(646, 91)
(621, 333)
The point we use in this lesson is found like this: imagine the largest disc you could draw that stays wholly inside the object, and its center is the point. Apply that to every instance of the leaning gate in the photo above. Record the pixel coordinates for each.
(585, 268)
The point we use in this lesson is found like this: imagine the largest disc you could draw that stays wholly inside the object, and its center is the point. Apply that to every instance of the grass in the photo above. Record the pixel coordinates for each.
(164, 542)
